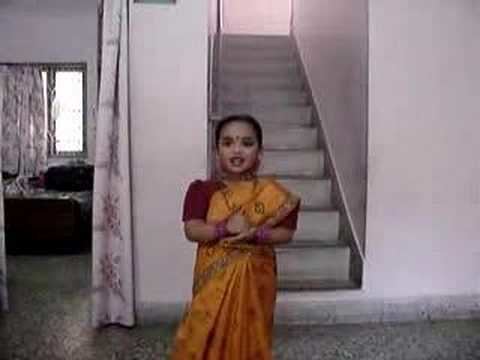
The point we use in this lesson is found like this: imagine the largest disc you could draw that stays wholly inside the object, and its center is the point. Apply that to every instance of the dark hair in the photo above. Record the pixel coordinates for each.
(244, 118)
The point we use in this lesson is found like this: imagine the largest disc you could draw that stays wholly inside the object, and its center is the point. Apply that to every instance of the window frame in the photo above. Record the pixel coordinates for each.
(51, 69)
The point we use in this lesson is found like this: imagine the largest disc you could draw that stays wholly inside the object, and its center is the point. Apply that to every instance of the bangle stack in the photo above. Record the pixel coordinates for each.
(262, 234)
(221, 230)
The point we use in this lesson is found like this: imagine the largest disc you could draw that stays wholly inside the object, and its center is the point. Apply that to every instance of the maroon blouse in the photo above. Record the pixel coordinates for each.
(197, 200)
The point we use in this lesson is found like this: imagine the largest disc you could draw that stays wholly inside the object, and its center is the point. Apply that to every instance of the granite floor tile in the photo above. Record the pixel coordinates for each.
(49, 319)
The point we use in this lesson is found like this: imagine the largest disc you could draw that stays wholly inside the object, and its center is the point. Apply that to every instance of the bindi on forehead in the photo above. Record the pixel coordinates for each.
(238, 133)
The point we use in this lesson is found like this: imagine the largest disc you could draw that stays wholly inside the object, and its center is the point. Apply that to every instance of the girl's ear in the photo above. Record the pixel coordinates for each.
(260, 155)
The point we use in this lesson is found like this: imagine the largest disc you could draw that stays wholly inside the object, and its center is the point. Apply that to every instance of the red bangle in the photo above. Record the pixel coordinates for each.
(221, 230)
(263, 233)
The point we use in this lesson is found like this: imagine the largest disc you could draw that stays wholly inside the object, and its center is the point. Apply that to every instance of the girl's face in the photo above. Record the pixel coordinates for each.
(238, 150)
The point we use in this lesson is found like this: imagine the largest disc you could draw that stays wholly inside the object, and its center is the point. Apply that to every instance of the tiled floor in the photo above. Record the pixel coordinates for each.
(50, 309)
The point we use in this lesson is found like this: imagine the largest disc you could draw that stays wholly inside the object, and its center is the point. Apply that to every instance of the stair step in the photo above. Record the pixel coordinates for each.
(259, 66)
(248, 58)
(287, 284)
(232, 53)
(324, 263)
(290, 138)
(322, 226)
(273, 115)
(291, 76)
(253, 82)
(234, 66)
(256, 42)
(310, 244)
(243, 94)
(286, 162)
(314, 193)
(271, 97)
(298, 177)
(288, 70)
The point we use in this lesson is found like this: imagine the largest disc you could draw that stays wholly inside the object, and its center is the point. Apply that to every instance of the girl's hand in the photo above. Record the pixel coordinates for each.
(242, 238)
(237, 224)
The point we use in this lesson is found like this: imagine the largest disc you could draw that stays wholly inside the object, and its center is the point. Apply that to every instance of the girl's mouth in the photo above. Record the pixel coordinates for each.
(237, 161)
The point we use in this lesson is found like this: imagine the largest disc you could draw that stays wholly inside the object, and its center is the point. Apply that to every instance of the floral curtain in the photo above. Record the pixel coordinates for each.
(24, 142)
(3, 263)
(113, 286)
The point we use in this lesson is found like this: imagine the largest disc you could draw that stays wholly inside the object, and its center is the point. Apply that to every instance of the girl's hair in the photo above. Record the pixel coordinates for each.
(244, 118)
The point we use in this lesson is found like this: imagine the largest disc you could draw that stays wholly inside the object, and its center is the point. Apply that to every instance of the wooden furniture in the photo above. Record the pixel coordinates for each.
(45, 225)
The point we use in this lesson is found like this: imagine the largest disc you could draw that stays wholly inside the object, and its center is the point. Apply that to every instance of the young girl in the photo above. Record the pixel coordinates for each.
(236, 220)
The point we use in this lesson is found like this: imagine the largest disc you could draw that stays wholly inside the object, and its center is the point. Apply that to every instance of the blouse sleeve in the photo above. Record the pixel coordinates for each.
(290, 222)
(195, 205)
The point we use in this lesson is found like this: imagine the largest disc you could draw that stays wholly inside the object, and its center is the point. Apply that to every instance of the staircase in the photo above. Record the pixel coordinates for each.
(261, 75)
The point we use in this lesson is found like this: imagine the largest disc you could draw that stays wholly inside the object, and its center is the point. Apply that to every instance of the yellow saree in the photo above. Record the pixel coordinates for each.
(231, 313)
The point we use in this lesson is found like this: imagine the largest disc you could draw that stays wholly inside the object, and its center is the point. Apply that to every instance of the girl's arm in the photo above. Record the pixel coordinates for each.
(199, 231)
(277, 236)
(272, 236)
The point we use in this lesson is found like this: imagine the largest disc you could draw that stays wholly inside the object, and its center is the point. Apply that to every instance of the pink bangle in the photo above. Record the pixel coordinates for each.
(263, 233)
(221, 230)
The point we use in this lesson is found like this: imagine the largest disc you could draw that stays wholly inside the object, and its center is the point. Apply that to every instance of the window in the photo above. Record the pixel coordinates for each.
(65, 108)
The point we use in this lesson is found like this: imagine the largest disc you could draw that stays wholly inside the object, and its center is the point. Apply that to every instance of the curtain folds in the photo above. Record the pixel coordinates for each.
(113, 282)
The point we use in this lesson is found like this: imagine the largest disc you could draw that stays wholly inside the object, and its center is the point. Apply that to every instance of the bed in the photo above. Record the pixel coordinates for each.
(52, 216)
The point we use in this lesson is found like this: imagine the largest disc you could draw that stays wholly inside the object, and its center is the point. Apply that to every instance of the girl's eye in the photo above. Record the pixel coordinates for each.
(248, 143)
(226, 143)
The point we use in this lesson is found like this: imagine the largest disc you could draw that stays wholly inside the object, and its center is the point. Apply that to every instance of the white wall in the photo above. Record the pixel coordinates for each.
(424, 192)
(212, 17)
(169, 133)
(213, 13)
(332, 36)
(266, 17)
(423, 216)
(53, 31)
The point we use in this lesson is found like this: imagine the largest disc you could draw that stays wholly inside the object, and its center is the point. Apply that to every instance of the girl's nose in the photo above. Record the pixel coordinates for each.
(237, 147)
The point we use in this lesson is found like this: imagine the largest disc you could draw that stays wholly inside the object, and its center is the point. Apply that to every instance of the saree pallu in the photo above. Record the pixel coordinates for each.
(234, 288)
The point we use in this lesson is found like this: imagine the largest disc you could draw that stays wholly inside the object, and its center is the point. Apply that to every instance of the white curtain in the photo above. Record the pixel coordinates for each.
(24, 141)
(113, 285)
(3, 263)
